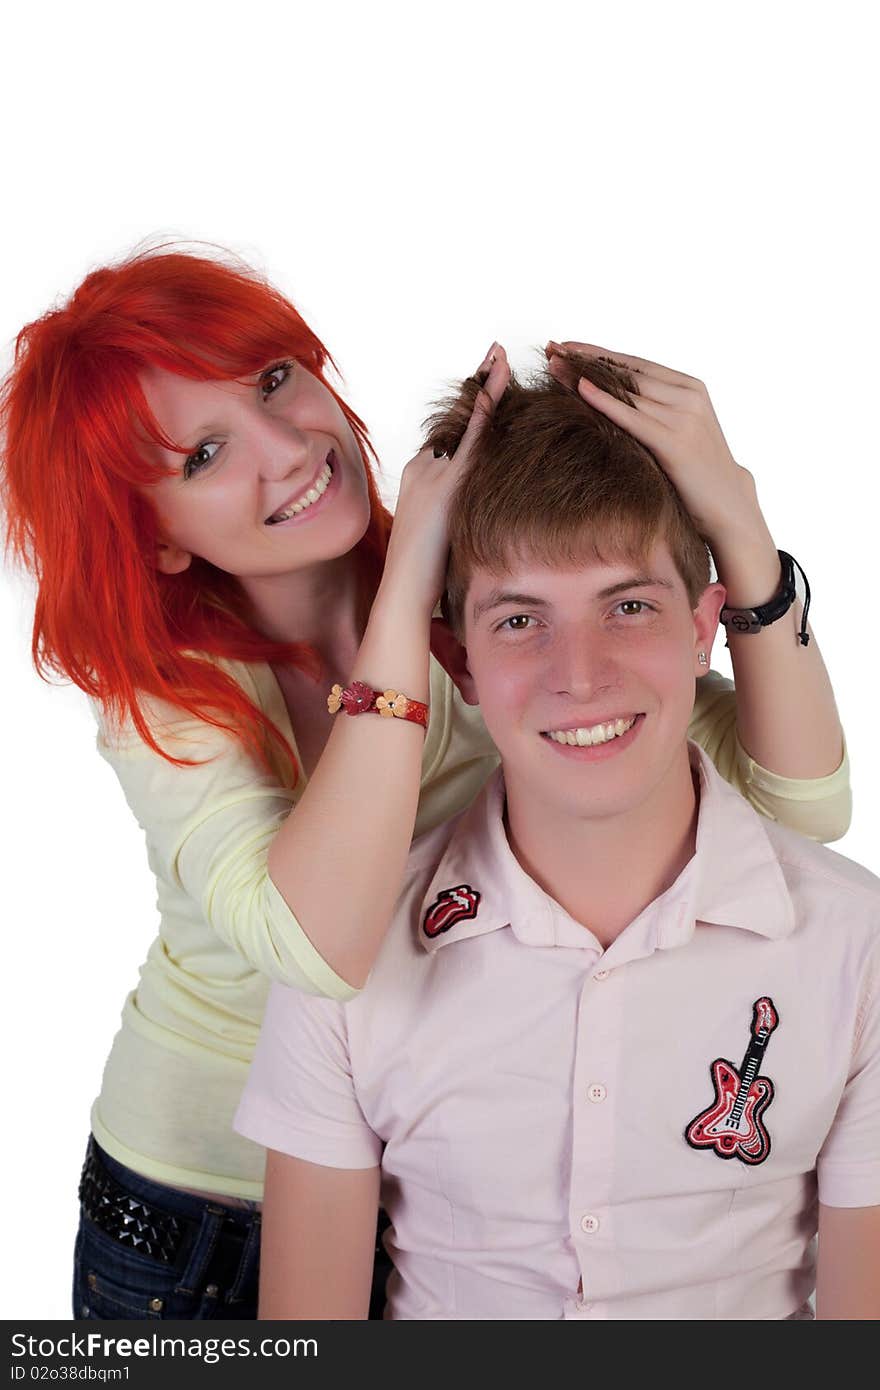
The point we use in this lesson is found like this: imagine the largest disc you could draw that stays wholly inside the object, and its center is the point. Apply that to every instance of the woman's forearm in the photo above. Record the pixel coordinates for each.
(787, 719)
(338, 860)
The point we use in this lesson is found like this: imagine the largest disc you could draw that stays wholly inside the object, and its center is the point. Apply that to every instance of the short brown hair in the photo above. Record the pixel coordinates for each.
(553, 479)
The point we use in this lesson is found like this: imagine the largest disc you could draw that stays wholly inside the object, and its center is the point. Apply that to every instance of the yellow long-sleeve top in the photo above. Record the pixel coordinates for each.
(179, 1062)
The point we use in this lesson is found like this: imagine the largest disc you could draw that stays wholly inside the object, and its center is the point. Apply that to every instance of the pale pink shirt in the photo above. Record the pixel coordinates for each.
(542, 1109)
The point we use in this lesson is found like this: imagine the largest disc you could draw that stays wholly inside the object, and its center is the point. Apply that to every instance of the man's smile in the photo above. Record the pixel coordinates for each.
(598, 741)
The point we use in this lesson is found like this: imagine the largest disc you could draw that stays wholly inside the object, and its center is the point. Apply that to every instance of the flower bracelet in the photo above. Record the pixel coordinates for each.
(359, 698)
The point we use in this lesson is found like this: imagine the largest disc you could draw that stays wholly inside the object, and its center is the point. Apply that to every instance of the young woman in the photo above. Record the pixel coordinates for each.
(199, 508)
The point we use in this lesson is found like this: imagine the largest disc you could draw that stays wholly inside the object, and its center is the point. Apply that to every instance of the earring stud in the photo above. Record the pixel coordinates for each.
(703, 659)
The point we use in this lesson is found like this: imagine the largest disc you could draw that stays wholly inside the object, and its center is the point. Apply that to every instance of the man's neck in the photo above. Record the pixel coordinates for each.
(605, 870)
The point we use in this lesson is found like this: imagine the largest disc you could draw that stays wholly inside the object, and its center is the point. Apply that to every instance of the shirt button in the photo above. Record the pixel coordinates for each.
(589, 1224)
(597, 1093)
(601, 975)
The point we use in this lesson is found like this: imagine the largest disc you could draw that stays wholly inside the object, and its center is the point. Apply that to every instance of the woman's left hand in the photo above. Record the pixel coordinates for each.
(673, 417)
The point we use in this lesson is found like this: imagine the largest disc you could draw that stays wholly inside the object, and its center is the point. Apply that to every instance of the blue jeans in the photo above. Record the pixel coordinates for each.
(214, 1275)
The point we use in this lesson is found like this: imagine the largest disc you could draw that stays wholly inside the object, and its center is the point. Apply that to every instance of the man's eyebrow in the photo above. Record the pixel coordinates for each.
(638, 581)
(499, 597)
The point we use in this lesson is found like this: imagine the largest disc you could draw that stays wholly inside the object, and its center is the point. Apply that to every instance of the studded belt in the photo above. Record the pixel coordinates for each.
(126, 1217)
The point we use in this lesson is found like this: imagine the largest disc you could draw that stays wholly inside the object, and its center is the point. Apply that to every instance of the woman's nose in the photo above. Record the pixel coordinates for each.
(279, 447)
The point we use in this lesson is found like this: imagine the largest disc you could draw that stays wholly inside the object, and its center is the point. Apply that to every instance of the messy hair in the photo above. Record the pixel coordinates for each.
(552, 479)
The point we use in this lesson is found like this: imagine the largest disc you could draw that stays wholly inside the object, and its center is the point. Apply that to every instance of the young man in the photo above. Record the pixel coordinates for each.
(624, 1034)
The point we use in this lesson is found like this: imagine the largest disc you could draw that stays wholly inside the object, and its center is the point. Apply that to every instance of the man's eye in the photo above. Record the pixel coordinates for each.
(199, 459)
(518, 623)
(632, 607)
(274, 377)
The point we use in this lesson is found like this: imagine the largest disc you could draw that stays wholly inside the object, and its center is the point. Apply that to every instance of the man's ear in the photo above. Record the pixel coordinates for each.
(706, 616)
(171, 559)
(453, 658)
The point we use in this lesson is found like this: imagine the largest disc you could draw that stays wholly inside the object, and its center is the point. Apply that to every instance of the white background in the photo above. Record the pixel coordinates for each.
(683, 181)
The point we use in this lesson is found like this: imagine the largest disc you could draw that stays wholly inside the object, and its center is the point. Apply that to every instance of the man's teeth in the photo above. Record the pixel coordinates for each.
(318, 488)
(599, 733)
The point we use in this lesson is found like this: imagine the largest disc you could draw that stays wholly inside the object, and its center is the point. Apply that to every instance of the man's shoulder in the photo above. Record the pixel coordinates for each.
(815, 873)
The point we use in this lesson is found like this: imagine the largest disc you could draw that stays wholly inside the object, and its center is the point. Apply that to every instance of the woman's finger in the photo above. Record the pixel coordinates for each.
(490, 393)
(644, 423)
(643, 365)
(650, 388)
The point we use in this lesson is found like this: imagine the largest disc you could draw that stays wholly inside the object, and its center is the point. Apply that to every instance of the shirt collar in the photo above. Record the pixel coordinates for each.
(734, 879)
(738, 881)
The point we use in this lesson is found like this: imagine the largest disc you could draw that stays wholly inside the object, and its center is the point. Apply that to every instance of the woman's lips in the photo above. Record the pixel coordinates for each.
(331, 488)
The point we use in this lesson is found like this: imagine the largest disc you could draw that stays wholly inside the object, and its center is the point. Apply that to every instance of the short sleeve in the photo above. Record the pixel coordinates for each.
(818, 807)
(848, 1166)
(300, 1096)
(208, 828)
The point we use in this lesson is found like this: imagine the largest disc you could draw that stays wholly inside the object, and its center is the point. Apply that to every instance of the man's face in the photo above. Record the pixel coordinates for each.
(586, 678)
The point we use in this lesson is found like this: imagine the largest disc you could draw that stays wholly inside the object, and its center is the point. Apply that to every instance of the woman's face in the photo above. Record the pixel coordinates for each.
(272, 480)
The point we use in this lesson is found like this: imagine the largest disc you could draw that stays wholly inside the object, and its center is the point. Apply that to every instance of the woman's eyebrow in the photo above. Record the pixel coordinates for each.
(191, 438)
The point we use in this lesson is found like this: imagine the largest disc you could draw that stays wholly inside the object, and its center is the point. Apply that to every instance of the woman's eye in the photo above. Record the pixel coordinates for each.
(274, 377)
(200, 458)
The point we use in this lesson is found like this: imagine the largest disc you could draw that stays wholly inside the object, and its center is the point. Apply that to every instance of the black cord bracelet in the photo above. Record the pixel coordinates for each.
(746, 620)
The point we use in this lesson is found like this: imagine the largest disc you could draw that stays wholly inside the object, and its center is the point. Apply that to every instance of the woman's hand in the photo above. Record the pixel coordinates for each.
(418, 548)
(673, 417)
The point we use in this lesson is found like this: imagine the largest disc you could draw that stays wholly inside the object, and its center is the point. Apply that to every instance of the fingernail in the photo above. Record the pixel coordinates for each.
(555, 350)
(488, 359)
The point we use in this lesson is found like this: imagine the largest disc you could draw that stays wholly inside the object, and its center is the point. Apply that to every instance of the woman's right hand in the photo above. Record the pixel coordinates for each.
(419, 547)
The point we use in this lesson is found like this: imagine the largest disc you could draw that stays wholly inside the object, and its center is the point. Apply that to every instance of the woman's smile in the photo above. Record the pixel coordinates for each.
(324, 485)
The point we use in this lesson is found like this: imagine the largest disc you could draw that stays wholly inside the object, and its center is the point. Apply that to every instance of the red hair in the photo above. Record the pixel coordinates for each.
(73, 473)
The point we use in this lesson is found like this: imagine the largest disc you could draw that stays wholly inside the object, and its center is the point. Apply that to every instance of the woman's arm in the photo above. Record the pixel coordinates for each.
(786, 716)
(346, 845)
(787, 720)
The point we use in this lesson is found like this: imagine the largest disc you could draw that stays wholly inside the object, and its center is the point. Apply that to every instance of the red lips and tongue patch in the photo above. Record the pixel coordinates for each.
(451, 906)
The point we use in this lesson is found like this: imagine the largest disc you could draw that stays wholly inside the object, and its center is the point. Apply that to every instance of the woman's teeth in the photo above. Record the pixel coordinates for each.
(599, 733)
(318, 488)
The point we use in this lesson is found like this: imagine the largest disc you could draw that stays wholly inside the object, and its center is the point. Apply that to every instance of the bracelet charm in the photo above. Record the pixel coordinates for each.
(750, 620)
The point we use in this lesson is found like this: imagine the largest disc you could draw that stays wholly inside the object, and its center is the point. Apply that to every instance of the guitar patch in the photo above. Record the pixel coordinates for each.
(733, 1124)
(451, 906)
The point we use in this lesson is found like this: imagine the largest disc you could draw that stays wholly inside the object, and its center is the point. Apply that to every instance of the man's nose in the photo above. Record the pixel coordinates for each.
(581, 663)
